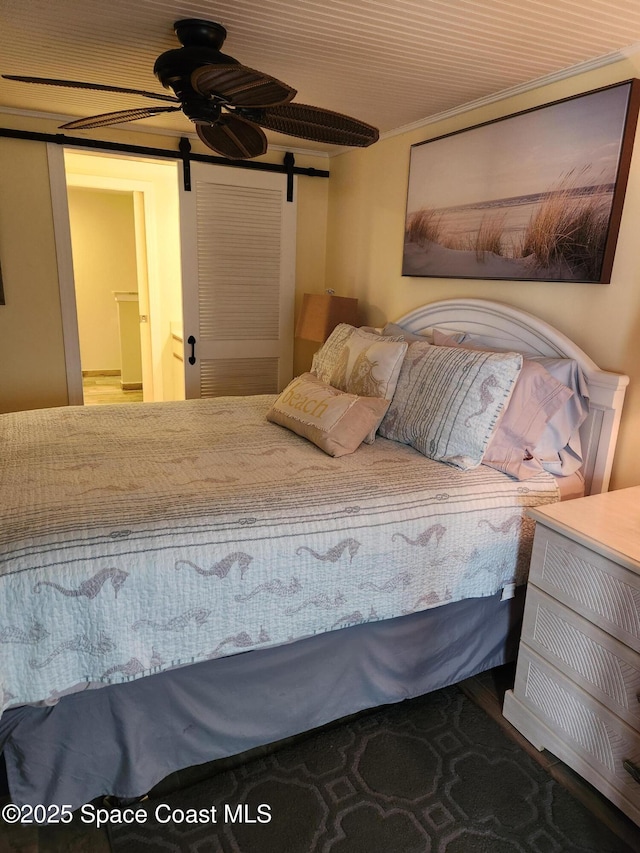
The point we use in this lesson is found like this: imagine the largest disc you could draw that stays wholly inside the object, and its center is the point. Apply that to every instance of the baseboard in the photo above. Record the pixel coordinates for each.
(131, 386)
(101, 372)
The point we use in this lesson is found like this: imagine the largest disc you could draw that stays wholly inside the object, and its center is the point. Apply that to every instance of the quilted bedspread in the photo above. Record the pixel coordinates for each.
(140, 537)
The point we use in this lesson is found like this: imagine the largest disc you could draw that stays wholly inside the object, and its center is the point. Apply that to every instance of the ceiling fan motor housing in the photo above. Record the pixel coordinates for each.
(201, 42)
(196, 31)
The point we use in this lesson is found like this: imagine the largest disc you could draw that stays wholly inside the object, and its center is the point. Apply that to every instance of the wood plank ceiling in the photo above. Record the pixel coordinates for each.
(391, 63)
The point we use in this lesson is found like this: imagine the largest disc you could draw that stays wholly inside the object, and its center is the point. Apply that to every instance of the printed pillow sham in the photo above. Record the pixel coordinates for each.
(448, 401)
(361, 363)
(562, 395)
(536, 398)
(326, 360)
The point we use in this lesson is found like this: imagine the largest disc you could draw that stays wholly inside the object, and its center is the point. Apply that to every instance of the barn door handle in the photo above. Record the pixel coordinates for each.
(192, 343)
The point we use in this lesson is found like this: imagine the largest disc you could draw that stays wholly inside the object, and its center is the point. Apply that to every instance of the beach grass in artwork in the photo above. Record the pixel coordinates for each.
(423, 227)
(536, 195)
(490, 236)
(564, 236)
(569, 229)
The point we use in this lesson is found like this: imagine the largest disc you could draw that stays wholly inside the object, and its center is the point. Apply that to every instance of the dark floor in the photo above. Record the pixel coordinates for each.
(487, 690)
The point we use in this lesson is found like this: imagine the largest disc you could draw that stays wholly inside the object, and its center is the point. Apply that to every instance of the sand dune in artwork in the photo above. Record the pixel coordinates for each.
(435, 260)
(556, 235)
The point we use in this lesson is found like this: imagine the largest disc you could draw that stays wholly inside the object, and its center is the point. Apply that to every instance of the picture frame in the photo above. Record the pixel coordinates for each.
(534, 196)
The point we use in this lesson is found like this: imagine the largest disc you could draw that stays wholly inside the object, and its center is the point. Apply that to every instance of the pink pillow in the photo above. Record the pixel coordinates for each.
(535, 399)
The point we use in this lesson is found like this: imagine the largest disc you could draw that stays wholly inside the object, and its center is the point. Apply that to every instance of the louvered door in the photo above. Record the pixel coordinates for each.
(238, 266)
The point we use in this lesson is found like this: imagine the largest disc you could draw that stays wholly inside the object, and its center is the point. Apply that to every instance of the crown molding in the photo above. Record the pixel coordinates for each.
(555, 77)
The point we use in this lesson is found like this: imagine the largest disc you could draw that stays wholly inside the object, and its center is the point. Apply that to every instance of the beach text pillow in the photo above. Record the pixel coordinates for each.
(333, 420)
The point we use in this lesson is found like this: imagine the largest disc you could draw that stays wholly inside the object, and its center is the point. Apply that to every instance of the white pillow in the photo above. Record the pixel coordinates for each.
(559, 448)
(361, 363)
(536, 399)
(369, 365)
(448, 401)
(326, 359)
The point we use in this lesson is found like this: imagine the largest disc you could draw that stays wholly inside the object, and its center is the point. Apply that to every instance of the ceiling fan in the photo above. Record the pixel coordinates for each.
(228, 102)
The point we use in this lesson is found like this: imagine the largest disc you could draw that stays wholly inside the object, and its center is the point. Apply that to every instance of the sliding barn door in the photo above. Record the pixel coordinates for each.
(238, 271)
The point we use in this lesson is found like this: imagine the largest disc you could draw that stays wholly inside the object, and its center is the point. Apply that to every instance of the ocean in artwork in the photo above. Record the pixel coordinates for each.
(516, 212)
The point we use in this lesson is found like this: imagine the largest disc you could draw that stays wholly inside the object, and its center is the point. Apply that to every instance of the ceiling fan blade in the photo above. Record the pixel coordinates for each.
(106, 119)
(316, 124)
(234, 137)
(98, 87)
(241, 86)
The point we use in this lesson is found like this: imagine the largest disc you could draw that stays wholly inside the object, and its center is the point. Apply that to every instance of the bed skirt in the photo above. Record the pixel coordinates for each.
(123, 739)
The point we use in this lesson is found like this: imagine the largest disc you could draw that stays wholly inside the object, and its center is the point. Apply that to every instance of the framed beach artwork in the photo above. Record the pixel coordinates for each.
(537, 195)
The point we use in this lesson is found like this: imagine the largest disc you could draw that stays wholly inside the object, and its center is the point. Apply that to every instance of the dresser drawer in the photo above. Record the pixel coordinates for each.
(602, 665)
(599, 589)
(584, 726)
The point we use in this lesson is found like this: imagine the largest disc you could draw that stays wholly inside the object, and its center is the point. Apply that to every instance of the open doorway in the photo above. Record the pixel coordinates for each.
(102, 224)
(124, 229)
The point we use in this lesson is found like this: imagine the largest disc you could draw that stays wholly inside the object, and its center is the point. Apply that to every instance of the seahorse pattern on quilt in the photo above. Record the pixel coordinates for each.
(137, 538)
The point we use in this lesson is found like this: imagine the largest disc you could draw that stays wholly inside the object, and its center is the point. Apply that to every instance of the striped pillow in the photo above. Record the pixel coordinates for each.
(447, 401)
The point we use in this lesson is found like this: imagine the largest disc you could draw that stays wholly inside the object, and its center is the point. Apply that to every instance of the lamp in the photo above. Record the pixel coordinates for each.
(322, 312)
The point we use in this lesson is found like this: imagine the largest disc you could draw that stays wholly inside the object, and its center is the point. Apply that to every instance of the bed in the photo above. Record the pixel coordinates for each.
(186, 581)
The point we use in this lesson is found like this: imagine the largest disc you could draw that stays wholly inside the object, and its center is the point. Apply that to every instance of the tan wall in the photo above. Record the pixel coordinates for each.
(32, 368)
(313, 198)
(104, 260)
(367, 198)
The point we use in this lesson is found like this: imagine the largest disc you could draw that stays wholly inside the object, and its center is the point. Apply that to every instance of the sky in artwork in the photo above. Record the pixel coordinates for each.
(526, 153)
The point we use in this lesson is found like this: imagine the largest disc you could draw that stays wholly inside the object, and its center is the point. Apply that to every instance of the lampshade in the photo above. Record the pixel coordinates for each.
(322, 312)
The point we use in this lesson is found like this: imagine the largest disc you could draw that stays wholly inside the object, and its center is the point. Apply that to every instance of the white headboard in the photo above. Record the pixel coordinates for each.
(505, 327)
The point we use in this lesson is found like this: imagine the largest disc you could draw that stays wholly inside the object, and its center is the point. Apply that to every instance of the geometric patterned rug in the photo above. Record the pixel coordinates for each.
(430, 774)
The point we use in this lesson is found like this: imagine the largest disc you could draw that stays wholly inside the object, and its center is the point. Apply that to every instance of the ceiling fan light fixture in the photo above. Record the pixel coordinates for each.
(204, 112)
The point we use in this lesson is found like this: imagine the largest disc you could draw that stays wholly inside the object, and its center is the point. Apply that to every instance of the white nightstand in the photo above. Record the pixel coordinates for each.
(577, 688)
